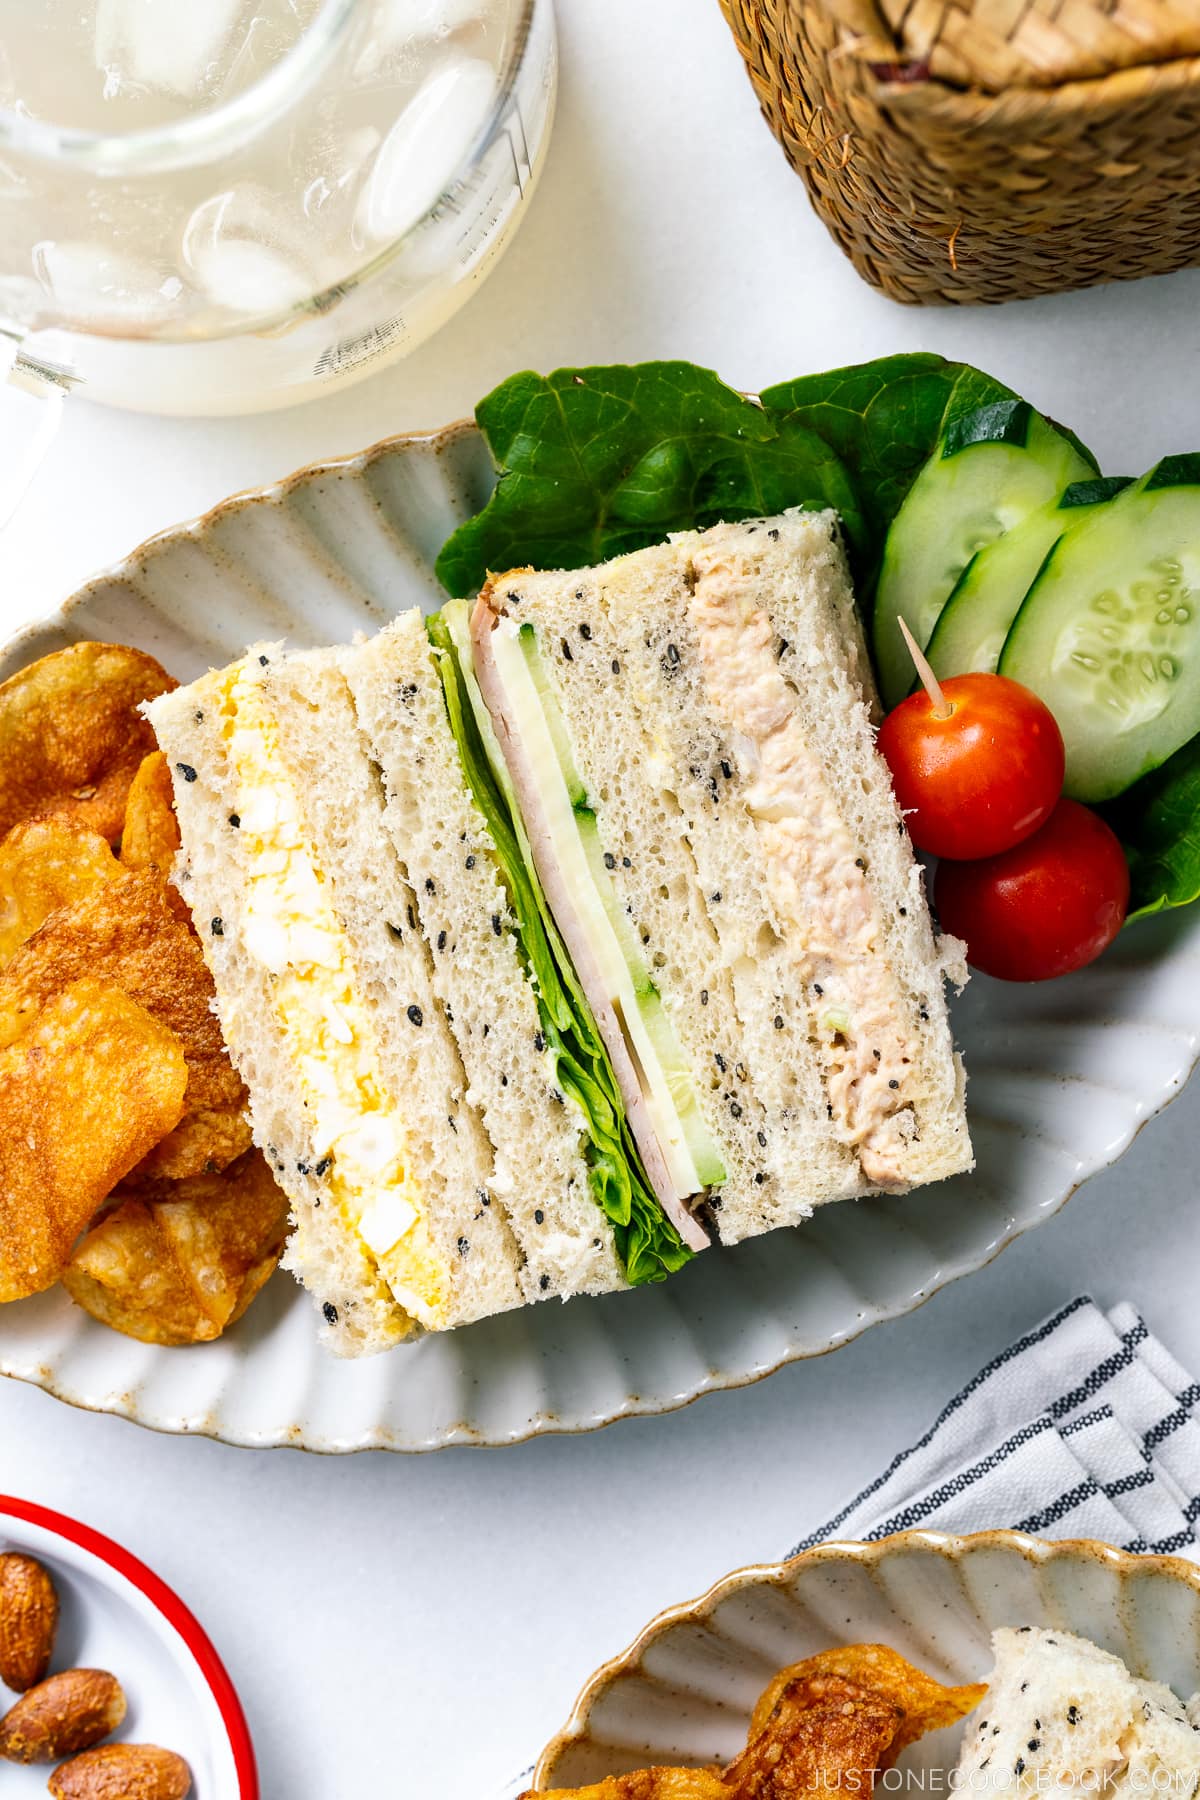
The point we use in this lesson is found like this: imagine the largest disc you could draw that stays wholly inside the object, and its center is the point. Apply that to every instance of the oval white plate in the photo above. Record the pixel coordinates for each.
(1061, 1076)
(117, 1615)
(683, 1693)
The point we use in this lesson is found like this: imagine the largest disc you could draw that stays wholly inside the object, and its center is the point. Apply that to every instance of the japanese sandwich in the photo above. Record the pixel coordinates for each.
(559, 938)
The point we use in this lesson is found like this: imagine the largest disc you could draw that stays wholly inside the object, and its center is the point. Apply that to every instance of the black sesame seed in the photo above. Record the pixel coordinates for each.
(463, 1246)
(818, 990)
(539, 1042)
(773, 534)
(779, 1021)
(1033, 1744)
(486, 1028)
(322, 1167)
(735, 1109)
(759, 1178)
(429, 887)
(585, 630)
(610, 861)
(543, 1282)
(860, 862)
(187, 771)
(235, 819)
(504, 1081)
(198, 717)
(1072, 1715)
(218, 928)
(416, 1016)
(625, 863)
(495, 924)
(264, 660)
(903, 911)
(1019, 1767)
(726, 771)
(716, 899)
(302, 1168)
(704, 996)
(893, 1084)
(616, 667)
(925, 1015)
(331, 1313)
(441, 940)
(470, 862)
(673, 656)
(762, 1139)
(539, 1217)
(719, 1060)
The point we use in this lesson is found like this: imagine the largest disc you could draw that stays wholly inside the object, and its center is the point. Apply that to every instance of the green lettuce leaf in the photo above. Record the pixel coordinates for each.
(596, 462)
(647, 1243)
(1158, 822)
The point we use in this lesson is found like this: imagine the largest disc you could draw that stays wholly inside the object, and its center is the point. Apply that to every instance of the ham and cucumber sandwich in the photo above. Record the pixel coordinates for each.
(568, 932)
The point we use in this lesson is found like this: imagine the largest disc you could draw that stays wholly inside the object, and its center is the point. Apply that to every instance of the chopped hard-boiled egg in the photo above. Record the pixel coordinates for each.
(292, 929)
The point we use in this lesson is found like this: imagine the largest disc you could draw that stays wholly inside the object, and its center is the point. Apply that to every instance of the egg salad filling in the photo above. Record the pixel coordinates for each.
(291, 928)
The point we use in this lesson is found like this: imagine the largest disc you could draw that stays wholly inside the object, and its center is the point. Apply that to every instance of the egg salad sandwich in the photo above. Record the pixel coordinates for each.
(563, 935)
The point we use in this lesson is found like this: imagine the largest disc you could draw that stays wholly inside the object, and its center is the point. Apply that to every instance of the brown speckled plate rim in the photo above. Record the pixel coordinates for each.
(953, 1546)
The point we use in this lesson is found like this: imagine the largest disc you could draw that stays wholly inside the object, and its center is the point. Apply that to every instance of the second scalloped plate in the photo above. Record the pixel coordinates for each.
(1061, 1076)
(684, 1692)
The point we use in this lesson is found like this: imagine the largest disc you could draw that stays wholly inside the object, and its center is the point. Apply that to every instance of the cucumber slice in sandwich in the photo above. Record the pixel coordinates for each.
(976, 619)
(1109, 633)
(991, 469)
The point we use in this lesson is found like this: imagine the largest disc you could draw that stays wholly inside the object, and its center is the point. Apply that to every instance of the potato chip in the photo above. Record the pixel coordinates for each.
(925, 1704)
(178, 1262)
(203, 1143)
(646, 1784)
(128, 933)
(824, 1735)
(85, 1091)
(71, 737)
(46, 863)
(151, 831)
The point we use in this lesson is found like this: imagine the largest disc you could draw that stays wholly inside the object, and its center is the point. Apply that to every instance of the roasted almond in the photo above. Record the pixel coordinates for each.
(69, 1712)
(28, 1621)
(123, 1772)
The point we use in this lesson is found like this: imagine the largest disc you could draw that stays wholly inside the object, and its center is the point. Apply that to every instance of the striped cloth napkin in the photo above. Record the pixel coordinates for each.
(1085, 1427)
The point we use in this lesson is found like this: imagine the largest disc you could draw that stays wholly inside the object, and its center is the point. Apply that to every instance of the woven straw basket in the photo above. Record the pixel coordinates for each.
(983, 150)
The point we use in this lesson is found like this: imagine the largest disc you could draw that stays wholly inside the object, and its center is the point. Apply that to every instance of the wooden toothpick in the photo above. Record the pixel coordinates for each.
(942, 708)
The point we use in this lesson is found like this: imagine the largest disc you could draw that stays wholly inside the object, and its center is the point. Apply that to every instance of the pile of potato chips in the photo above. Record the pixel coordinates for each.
(829, 1725)
(121, 1115)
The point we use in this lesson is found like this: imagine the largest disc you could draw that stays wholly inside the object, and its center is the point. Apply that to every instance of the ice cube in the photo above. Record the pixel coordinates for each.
(397, 24)
(426, 147)
(248, 278)
(174, 46)
(91, 284)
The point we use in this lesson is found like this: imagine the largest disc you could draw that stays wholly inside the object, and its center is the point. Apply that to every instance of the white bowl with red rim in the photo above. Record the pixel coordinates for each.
(117, 1614)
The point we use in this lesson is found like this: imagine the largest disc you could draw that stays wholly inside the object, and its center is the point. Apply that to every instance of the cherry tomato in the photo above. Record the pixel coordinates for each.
(982, 778)
(1049, 905)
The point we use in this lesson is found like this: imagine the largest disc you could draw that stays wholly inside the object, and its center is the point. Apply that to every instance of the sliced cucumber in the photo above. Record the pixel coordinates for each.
(1109, 633)
(975, 620)
(672, 1104)
(991, 469)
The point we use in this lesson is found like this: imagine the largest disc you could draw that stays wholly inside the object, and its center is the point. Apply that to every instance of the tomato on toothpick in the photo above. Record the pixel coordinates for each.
(1049, 905)
(977, 761)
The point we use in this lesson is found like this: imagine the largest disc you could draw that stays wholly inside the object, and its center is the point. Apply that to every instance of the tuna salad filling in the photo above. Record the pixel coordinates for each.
(816, 878)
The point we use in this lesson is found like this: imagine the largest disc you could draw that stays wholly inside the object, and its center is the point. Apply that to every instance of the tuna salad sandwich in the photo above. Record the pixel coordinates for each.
(563, 936)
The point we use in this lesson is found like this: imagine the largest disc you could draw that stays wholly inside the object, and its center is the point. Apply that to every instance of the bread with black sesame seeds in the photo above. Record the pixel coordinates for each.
(1062, 1715)
(356, 1089)
(463, 911)
(717, 703)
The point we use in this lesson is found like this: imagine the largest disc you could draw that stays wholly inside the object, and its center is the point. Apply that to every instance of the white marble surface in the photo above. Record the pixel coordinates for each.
(418, 1627)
